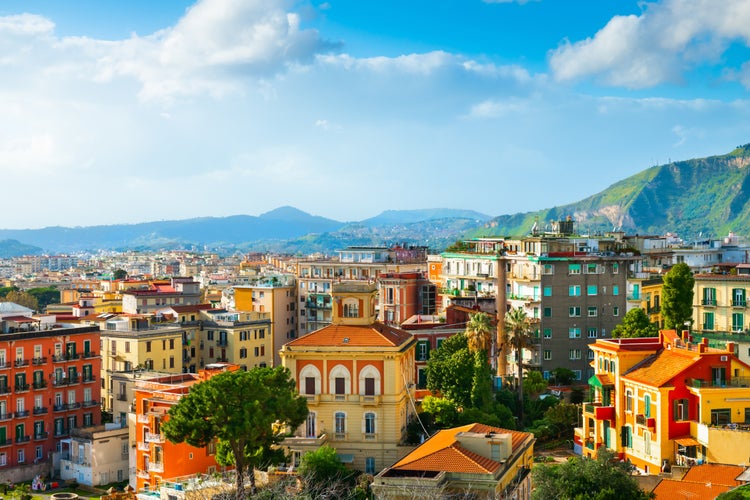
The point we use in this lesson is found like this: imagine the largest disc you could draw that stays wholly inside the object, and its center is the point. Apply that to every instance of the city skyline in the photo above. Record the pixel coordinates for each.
(126, 113)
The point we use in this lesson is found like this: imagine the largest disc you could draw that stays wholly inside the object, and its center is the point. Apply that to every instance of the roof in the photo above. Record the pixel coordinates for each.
(673, 489)
(13, 308)
(374, 335)
(19, 319)
(715, 474)
(658, 369)
(443, 452)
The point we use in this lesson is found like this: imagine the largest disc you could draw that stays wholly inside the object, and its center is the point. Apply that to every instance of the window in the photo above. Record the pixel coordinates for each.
(592, 333)
(738, 322)
(148, 346)
(574, 268)
(615, 290)
(548, 269)
(592, 312)
(721, 416)
(310, 425)
(547, 291)
(340, 424)
(369, 381)
(127, 346)
(615, 268)
(575, 354)
(3, 459)
(577, 374)
(339, 381)
(21, 456)
(647, 442)
(709, 297)
(680, 410)
(171, 343)
(591, 290)
(369, 425)
(574, 290)
(548, 333)
(627, 436)
(708, 320)
(647, 406)
(547, 354)
(574, 312)
(615, 311)
(370, 465)
(590, 354)
(547, 312)
(574, 333)
(351, 310)
(738, 297)
(243, 352)
(423, 350)
(311, 378)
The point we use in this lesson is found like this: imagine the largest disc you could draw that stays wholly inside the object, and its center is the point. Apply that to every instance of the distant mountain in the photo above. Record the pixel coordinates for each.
(393, 217)
(11, 248)
(704, 196)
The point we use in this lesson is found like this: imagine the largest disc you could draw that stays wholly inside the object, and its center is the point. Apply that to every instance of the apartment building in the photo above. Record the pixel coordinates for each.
(48, 387)
(358, 377)
(666, 400)
(180, 291)
(403, 295)
(95, 456)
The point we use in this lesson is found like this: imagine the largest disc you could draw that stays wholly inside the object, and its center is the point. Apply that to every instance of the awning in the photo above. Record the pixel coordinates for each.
(345, 458)
(687, 441)
(601, 381)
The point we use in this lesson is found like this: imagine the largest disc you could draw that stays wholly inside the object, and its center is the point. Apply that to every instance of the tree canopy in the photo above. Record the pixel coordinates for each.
(246, 411)
(635, 323)
(677, 297)
(323, 466)
(519, 337)
(479, 332)
(603, 478)
(450, 370)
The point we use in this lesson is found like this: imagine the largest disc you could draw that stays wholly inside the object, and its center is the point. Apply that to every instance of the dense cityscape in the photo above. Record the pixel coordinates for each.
(371, 339)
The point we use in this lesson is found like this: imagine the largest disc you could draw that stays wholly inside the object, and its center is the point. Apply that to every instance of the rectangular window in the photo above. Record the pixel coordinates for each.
(574, 333)
(592, 312)
(547, 354)
(615, 311)
(574, 268)
(127, 346)
(592, 333)
(708, 320)
(574, 290)
(647, 406)
(574, 312)
(547, 291)
(709, 296)
(423, 350)
(615, 268)
(370, 465)
(548, 333)
(547, 312)
(592, 268)
(591, 290)
(680, 410)
(548, 269)
(575, 354)
(148, 346)
(615, 290)
(738, 322)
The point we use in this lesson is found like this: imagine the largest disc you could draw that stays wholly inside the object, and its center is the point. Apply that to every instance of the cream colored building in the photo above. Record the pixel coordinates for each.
(95, 456)
(358, 377)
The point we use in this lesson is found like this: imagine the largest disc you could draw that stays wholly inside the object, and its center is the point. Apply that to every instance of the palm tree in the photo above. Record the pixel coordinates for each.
(519, 337)
(479, 332)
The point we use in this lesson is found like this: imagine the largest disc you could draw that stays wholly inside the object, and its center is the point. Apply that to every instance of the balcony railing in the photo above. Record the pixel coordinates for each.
(89, 354)
(6, 442)
(39, 361)
(88, 378)
(716, 384)
(739, 303)
(6, 416)
(21, 413)
(155, 467)
(143, 446)
(59, 381)
(708, 302)
(88, 404)
(40, 410)
(21, 362)
(61, 432)
(4, 365)
(153, 438)
(142, 474)
(369, 399)
(22, 387)
(60, 407)
(4, 389)
(23, 439)
(72, 406)
(61, 358)
(122, 397)
(142, 419)
(41, 435)
(39, 384)
(599, 411)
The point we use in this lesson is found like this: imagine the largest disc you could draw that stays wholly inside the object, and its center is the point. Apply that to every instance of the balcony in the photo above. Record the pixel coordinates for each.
(6, 416)
(23, 439)
(41, 410)
(143, 447)
(39, 361)
(4, 389)
(718, 384)
(311, 441)
(90, 403)
(22, 387)
(599, 412)
(59, 382)
(4, 365)
(89, 354)
(21, 413)
(155, 467)
(739, 303)
(88, 378)
(645, 421)
(6, 442)
(369, 400)
(61, 432)
(62, 358)
(708, 302)
(220, 343)
(38, 436)
(60, 407)
(39, 384)
(72, 406)
(154, 438)
(142, 474)
(21, 362)
(73, 380)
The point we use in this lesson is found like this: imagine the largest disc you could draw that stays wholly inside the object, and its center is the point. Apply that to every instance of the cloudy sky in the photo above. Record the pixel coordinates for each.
(120, 112)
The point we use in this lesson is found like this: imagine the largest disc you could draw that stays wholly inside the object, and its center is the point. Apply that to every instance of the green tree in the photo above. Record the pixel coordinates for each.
(120, 274)
(603, 478)
(248, 411)
(564, 418)
(677, 297)
(322, 466)
(534, 383)
(45, 296)
(519, 338)
(481, 383)
(444, 411)
(563, 376)
(479, 332)
(22, 299)
(450, 370)
(635, 324)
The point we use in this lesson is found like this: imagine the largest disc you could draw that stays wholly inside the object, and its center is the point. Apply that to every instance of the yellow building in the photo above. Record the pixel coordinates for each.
(665, 400)
(720, 303)
(240, 338)
(475, 460)
(651, 293)
(275, 295)
(358, 376)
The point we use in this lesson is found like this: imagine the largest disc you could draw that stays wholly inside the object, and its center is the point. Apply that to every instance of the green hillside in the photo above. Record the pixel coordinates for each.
(705, 195)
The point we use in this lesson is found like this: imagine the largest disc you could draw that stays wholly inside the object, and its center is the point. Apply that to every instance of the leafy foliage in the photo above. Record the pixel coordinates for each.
(323, 466)
(478, 332)
(518, 329)
(45, 296)
(534, 383)
(22, 299)
(246, 411)
(677, 297)
(450, 370)
(635, 323)
(563, 376)
(603, 478)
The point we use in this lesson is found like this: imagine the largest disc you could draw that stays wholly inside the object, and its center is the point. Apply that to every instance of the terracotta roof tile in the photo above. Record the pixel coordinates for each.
(443, 452)
(715, 474)
(672, 489)
(375, 335)
(662, 367)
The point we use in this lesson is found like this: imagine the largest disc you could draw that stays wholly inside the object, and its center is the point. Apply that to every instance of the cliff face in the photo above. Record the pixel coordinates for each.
(706, 195)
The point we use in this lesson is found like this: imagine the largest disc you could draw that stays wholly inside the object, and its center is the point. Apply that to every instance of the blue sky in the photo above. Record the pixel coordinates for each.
(121, 112)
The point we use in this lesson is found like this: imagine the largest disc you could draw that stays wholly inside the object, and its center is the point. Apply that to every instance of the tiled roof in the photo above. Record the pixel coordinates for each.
(715, 474)
(660, 368)
(375, 335)
(443, 452)
(672, 489)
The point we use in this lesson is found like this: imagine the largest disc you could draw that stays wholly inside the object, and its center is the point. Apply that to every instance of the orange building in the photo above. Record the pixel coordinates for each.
(49, 385)
(156, 458)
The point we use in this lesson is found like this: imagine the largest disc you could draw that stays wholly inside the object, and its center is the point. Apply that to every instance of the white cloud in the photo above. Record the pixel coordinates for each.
(657, 46)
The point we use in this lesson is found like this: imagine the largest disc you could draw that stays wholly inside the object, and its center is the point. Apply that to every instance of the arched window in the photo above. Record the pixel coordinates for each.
(339, 382)
(309, 380)
(351, 308)
(369, 381)
(310, 425)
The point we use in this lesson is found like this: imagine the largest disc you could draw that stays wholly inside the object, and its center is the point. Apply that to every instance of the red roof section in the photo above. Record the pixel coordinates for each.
(672, 489)
(375, 335)
(662, 367)
(715, 474)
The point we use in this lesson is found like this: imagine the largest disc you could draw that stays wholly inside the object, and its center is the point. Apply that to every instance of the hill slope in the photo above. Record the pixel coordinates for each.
(705, 195)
